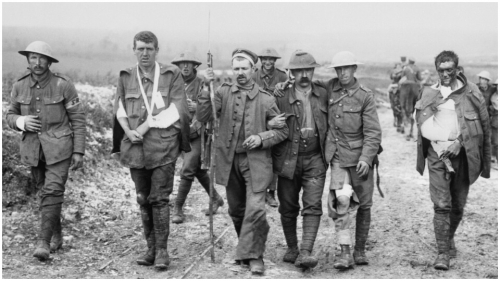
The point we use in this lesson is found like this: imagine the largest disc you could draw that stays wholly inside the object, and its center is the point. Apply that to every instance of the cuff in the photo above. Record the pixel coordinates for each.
(267, 138)
(368, 160)
(20, 123)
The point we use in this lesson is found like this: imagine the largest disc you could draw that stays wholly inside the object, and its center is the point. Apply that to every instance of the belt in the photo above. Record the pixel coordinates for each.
(309, 153)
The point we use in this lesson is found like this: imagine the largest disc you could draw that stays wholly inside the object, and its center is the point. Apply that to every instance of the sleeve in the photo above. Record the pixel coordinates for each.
(178, 97)
(76, 116)
(14, 111)
(118, 131)
(275, 136)
(371, 131)
(485, 124)
(204, 108)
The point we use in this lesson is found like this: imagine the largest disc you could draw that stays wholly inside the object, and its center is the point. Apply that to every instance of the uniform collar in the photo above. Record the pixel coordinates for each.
(264, 75)
(44, 82)
(253, 92)
(191, 78)
(293, 98)
(351, 90)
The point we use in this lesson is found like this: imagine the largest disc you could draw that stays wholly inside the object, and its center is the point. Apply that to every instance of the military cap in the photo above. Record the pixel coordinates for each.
(41, 48)
(186, 56)
(411, 59)
(247, 54)
(301, 60)
(496, 82)
(403, 58)
(484, 74)
(344, 58)
(269, 52)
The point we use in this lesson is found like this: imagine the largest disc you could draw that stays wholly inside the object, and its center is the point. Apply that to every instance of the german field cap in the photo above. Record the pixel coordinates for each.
(186, 56)
(485, 74)
(411, 59)
(41, 48)
(301, 60)
(269, 52)
(344, 58)
(247, 54)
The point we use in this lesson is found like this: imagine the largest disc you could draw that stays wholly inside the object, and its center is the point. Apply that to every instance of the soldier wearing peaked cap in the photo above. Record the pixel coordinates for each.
(299, 160)
(46, 108)
(191, 167)
(244, 164)
(152, 113)
(485, 87)
(267, 76)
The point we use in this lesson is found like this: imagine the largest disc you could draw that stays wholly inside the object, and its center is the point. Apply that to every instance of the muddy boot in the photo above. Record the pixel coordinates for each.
(290, 230)
(363, 219)
(57, 240)
(217, 201)
(184, 188)
(161, 215)
(453, 249)
(455, 219)
(271, 199)
(49, 216)
(310, 225)
(345, 261)
(257, 266)
(147, 223)
(442, 231)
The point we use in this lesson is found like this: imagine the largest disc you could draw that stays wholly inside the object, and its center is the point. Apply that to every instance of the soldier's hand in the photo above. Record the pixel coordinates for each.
(279, 88)
(32, 123)
(209, 75)
(134, 136)
(252, 142)
(76, 161)
(277, 122)
(191, 105)
(362, 169)
(452, 151)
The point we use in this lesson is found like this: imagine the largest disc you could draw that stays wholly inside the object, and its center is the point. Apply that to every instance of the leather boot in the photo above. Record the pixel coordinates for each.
(49, 216)
(161, 215)
(345, 261)
(363, 219)
(455, 219)
(57, 240)
(442, 231)
(310, 225)
(257, 266)
(217, 199)
(271, 199)
(147, 223)
(183, 191)
(290, 230)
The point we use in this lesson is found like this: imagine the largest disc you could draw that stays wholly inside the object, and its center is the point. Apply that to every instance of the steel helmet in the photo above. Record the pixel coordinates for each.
(301, 59)
(186, 56)
(39, 47)
(485, 74)
(269, 52)
(344, 58)
(496, 82)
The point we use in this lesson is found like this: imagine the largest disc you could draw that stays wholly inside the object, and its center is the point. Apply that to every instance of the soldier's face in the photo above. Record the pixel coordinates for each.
(346, 73)
(303, 77)
(447, 72)
(187, 68)
(39, 64)
(145, 53)
(267, 62)
(483, 82)
(242, 70)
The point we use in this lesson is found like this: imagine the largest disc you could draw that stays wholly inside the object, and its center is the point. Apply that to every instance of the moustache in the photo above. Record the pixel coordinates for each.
(304, 80)
(241, 77)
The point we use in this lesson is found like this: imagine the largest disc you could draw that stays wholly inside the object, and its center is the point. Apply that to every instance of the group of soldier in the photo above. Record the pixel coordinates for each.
(276, 129)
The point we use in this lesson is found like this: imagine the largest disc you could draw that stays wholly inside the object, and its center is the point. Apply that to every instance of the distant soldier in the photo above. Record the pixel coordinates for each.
(46, 108)
(267, 77)
(404, 63)
(191, 167)
(485, 87)
(244, 164)
(152, 110)
(299, 160)
(493, 109)
(393, 92)
(454, 136)
(408, 92)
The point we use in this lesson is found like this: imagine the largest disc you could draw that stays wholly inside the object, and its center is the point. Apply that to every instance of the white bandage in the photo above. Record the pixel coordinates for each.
(165, 118)
(20, 123)
(345, 191)
(120, 113)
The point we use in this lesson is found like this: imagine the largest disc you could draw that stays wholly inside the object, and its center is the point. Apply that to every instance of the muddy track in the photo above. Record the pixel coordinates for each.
(104, 244)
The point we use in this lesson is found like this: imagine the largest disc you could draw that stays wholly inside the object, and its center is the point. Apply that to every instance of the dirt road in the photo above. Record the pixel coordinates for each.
(103, 236)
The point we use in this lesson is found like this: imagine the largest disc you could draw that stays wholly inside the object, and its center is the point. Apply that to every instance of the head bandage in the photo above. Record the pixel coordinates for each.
(245, 56)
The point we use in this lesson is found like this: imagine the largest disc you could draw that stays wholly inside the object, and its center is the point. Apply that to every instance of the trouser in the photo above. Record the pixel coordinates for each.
(50, 181)
(362, 193)
(191, 167)
(247, 210)
(309, 175)
(448, 195)
(396, 107)
(408, 93)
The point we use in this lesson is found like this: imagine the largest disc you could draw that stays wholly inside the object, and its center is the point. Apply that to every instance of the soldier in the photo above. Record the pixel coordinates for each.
(191, 167)
(299, 160)
(409, 89)
(454, 136)
(393, 92)
(493, 110)
(267, 77)
(152, 111)
(486, 89)
(244, 164)
(46, 108)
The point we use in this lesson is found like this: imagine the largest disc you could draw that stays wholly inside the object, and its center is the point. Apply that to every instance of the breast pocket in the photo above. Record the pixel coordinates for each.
(54, 109)
(352, 119)
(133, 103)
(473, 123)
(24, 104)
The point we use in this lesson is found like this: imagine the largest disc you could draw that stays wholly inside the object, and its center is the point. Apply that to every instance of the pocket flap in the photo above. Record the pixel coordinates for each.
(62, 133)
(418, 105)
(168, 133)
(352, 109)
(53, 100)
(24, 100)
(471, 116)
(355, 144)
(132, 94)
(164, 93)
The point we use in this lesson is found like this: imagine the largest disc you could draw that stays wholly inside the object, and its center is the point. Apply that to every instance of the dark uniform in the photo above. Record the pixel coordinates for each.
(393, 91)
(493, 110)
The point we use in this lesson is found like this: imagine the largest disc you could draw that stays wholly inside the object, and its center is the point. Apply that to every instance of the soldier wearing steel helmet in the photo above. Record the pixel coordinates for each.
(485, 87)
(46, 108)
(267, 76)
(244, 164)
(299, 160)
(191, 168)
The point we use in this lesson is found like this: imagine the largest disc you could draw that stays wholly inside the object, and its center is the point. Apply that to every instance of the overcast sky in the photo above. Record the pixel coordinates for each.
(371, 30)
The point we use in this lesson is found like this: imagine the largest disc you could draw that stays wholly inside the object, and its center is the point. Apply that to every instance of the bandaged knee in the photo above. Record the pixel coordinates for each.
(344, 196)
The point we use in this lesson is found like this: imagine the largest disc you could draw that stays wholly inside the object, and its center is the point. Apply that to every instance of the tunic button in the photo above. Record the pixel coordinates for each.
(54, 102)
(331, 100)
(38, 110)
(336, 139)
(337, 116)
(340, 104)
(37, 98)
(351, 109)
(425, 113)
(315, 135)
(298, 103)
(38, 86)
(39, 133)
(298, 116)
(304, 141)
(298, 128)
(295, 153)
(296, 141)
(305, 145)
(142, 107)
(336, 128)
